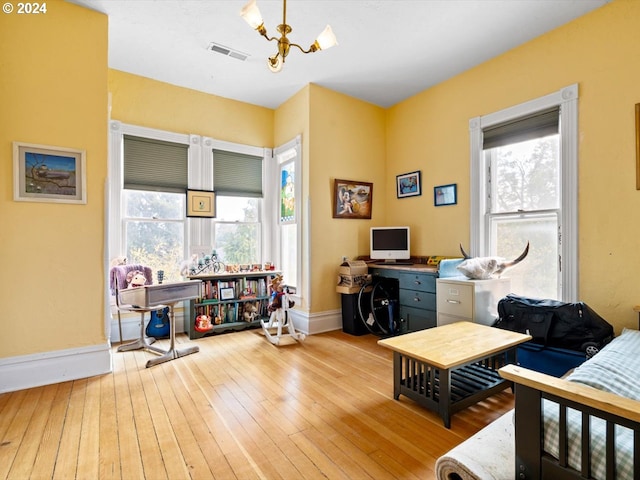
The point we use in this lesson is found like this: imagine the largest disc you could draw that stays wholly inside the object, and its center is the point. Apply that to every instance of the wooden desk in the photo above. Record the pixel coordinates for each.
(448, 368)
(164, 294)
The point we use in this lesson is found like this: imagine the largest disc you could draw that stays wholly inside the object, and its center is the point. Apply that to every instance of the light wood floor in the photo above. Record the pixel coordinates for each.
(241, 408)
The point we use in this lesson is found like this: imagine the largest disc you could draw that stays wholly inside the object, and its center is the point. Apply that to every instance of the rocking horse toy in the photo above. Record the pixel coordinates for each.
(279, 317)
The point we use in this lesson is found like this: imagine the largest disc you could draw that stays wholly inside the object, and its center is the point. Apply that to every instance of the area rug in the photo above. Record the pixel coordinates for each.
(488, 455)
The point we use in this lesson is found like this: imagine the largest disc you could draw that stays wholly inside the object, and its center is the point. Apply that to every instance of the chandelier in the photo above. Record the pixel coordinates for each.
(252, 16)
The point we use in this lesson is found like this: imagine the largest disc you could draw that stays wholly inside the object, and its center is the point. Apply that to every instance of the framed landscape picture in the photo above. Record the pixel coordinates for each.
(352, 199)
(48, 174)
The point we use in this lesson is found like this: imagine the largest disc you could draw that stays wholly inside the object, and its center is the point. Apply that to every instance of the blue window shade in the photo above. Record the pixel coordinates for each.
(155, 165)
(237, 174)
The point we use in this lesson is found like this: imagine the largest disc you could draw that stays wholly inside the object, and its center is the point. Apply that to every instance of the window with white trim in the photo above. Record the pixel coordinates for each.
(524, 189)
(147, 211)
(237, 228)
(153, 203)
(289, 213)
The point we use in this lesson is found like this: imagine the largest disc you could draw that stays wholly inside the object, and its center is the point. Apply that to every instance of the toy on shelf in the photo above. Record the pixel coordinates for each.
(207, 264)
(279, 319)
(203, 323)
(251, 312)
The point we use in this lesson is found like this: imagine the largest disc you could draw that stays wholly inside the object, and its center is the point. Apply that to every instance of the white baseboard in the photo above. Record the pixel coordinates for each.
(316, 322)
(35, 370)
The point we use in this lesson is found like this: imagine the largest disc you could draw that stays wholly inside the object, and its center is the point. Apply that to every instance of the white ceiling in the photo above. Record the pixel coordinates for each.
(388, 50)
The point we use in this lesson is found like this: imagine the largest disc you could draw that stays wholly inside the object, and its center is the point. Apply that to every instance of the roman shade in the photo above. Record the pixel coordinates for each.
(539, 124)
(155, 165)
(237, 174)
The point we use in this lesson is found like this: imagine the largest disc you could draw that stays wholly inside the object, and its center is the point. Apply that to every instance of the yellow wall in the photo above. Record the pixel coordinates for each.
(53, 91)
(347, 142)
(599, 52)
(148, 103)
(341, 138)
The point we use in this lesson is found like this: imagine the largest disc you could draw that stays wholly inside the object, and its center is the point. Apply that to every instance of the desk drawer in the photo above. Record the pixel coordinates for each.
(455, 299)
(420, 281)
(417, 318)
(417, 299)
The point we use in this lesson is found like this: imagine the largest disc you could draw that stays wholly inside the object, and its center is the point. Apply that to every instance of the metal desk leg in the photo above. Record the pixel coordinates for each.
(141, 342)
(172, 352)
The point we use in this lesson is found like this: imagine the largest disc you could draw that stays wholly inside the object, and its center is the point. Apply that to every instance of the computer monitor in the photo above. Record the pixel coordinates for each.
(390, 243)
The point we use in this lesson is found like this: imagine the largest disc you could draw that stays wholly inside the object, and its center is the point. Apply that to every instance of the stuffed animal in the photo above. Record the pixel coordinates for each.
(250, 312)
(278, 289)
(135, 279)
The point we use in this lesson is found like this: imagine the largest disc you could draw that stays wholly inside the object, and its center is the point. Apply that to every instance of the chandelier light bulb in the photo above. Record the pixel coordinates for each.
(251, 14)
(326, 39)
(275, 63)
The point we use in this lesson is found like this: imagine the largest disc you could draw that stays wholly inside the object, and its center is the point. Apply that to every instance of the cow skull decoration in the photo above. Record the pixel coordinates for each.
(482, 268)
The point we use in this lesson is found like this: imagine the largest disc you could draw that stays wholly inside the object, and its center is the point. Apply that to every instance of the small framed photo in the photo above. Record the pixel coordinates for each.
(445, 195)
(227, 293)
(49, 174)
(352, 199)
(408, 185)
(201, 203)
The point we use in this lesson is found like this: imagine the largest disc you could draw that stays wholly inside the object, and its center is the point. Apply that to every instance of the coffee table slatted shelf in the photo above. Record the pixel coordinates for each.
(448, 368)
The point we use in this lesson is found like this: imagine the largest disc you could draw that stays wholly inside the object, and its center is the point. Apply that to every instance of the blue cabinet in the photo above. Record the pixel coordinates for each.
(417, 293)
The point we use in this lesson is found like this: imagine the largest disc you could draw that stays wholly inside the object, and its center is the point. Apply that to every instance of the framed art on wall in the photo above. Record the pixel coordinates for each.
(352, 199)
(201, 203)
(408, 185)
(48, 174)
(445, 195)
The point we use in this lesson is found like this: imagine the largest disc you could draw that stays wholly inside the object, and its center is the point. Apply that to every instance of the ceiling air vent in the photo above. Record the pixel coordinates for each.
(229, 52)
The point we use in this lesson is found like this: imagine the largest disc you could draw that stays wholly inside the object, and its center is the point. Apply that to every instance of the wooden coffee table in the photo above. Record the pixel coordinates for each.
(448, 368)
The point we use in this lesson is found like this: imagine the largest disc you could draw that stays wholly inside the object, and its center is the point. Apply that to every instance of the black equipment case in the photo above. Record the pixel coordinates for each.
(564, 334)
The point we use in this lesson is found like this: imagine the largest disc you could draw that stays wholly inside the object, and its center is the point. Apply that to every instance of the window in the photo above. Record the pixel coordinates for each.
(153, 203)
(153, 225)
(288, 160)
(148, 172)
(524, 189)
(237, 228)
(523, 206)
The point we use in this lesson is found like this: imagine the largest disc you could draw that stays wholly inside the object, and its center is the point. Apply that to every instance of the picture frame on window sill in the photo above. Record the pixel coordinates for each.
(408, 185)
(201, 203)
(43, 173)
(445, 195)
